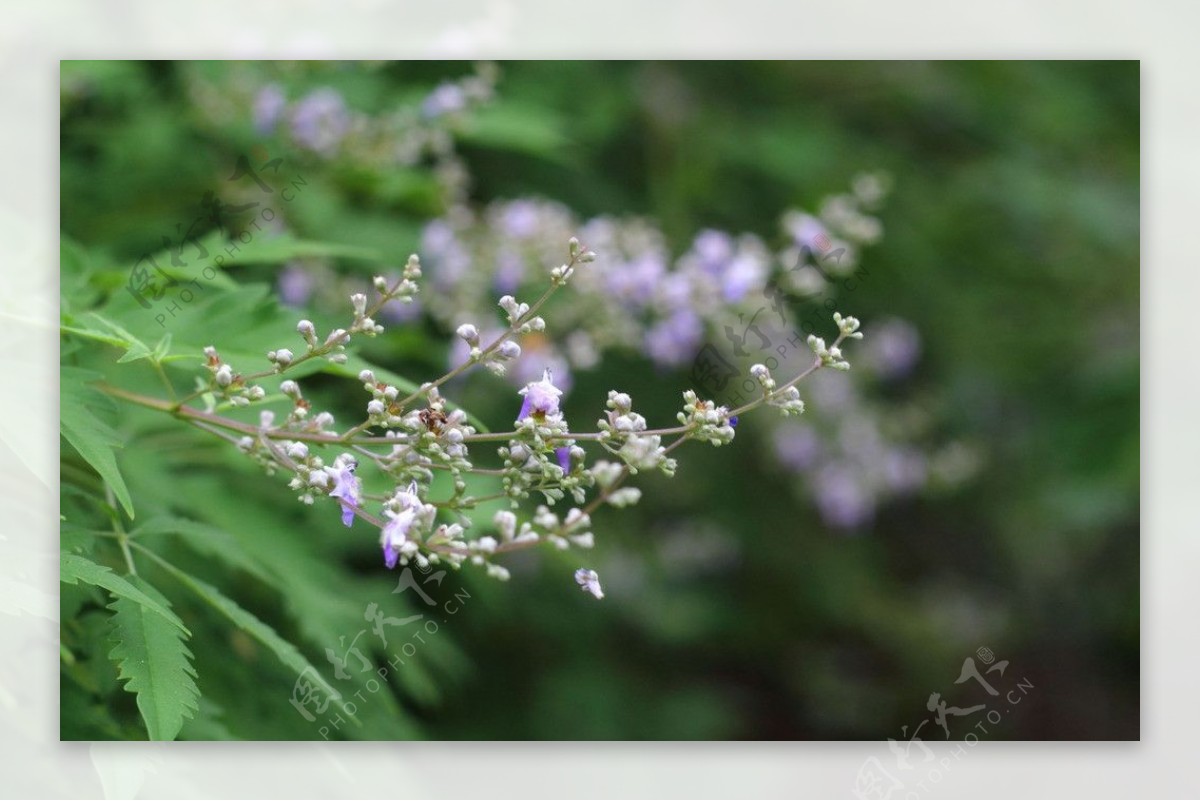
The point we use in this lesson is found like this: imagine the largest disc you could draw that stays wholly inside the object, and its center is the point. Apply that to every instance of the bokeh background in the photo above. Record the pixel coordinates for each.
(973, 483)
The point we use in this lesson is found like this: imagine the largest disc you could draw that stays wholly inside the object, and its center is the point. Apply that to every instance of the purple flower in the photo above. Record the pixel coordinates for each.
(394, 536)
(564, 458)
(519, 219)
(346, 488)
(635, 281)
(320, 121)
(797, 447)
(842, 498)
(398, 312)
(741, 276)
(269, 106)
(541, 397)
(905, 469)
(893, 348)
(295, 285)
(808, 232)
(443, 250)
(447, 98)
(510, 270)
(713, 250)
(675, 340)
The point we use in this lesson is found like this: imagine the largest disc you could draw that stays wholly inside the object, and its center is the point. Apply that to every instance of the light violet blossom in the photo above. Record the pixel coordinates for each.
(394, 537)
(347, 488)
(269, 105)
(589, 581)
(541, 397)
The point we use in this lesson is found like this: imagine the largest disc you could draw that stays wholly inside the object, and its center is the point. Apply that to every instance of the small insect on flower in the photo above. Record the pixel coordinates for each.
(433, 419)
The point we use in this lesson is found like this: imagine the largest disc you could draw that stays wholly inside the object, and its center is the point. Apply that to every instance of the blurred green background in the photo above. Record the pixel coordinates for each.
(1011, 240)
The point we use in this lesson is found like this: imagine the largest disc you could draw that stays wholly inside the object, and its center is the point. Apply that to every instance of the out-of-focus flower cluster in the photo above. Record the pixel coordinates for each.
(322, 123)
(639, 298)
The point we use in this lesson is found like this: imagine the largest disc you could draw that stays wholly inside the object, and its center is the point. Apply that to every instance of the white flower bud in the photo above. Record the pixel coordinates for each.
(509, 350)
(283, 356)
(506, 523)
(297, 450)
(468, 333)
(290, 388)
(306, 329)
(224, 375)
(375, 408)
(367, 377)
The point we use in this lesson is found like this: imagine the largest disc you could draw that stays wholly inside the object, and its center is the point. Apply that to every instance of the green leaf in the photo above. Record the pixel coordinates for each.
(103, 330)
(212, 542)
(284, 248)
(89, 435)
(284, 650)
(154, 662)
(512, 126)
(74, 569)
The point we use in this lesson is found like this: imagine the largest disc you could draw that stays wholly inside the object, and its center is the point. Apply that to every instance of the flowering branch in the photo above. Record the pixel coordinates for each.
(539, 455)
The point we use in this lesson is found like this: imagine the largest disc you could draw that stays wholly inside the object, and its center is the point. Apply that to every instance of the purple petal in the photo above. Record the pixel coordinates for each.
(390, 556)
(347, 515)
(564, 458)
(524, 409)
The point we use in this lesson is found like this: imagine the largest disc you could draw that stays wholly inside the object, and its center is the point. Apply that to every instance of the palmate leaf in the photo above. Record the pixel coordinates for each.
(75, 569)
(251, 625)
(154, 662)
(212, 542)
(100, 329)
(88, 434)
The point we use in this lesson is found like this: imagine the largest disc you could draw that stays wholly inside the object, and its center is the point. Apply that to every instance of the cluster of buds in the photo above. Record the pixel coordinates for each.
(622, 433)
(310, 474)
(787, 400)
(497, 356)
(230, 385)
(382, 409)
(707, 421)
(830, 356)
(407, 289)
(848, 326)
